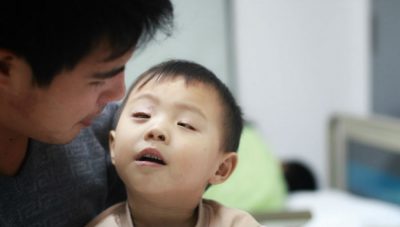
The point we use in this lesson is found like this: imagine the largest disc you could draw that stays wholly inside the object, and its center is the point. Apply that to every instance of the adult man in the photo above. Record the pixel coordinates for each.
(61, 62)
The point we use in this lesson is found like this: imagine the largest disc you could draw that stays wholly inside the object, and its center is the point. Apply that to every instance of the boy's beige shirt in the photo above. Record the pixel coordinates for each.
(211, 214)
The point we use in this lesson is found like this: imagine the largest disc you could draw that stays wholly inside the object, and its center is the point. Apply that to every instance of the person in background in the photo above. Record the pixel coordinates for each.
(178, 132)
(61, 64)
(298, 176)
(245, 189)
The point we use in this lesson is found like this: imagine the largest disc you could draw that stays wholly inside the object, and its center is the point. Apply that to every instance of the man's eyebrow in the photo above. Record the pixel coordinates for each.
(108, 74)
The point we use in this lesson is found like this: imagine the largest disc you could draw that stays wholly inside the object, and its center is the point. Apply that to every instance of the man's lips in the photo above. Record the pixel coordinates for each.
(150, 156)
(89, 119)
(87, 122)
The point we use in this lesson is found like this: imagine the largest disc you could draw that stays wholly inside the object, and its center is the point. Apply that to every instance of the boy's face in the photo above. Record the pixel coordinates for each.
(168, 139)
(56, 114)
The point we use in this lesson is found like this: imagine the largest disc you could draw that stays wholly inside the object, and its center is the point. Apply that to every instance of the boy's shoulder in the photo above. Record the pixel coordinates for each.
(212, 213)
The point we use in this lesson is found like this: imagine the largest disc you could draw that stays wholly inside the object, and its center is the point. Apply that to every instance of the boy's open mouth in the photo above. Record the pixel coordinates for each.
(150, 155)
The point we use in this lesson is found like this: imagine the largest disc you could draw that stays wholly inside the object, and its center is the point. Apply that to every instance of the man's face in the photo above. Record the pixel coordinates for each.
(167, 141)
(56, 114)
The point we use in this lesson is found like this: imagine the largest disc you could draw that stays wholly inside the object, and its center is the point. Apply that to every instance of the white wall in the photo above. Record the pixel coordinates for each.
(199, 35)
(297, 63)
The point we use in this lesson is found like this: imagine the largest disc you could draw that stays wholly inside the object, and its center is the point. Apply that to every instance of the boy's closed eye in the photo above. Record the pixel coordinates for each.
(186, 125)
(141, 115)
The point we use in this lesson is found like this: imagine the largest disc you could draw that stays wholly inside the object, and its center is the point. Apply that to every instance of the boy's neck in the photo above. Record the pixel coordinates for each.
(13, 148)
(150, 214)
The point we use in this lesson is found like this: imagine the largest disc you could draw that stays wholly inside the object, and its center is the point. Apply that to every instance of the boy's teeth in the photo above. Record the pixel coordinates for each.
(152, 158)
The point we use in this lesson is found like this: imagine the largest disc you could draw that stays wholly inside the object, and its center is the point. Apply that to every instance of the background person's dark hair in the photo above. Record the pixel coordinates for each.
(194, 73)
(298, 176)
(53, 35)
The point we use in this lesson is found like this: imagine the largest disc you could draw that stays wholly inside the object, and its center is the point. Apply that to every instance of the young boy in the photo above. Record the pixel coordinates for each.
(177, 133)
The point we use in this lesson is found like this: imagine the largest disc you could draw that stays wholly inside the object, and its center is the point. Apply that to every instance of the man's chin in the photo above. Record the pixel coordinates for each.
(61, 138)
(59, 141)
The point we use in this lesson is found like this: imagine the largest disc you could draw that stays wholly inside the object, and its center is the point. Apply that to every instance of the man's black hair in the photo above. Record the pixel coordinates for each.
(54, 35)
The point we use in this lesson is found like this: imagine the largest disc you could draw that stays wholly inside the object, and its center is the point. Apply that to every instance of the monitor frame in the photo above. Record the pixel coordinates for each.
(379, 131)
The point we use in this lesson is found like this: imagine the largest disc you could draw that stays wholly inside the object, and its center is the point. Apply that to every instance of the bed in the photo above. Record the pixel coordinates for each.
(364, 179)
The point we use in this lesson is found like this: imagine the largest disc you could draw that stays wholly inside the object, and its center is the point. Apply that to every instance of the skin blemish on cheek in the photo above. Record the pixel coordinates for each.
(23, 106)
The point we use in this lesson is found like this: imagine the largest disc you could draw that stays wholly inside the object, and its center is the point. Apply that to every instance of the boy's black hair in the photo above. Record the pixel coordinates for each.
(53, 35)
(193, 73)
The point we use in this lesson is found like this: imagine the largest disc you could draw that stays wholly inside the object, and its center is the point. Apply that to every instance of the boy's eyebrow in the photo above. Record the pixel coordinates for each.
(191, 108)
(144, 96)
(178, 105)
(108, 74)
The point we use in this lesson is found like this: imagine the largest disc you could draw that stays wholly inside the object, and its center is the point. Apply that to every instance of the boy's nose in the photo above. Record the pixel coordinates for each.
(157, 135)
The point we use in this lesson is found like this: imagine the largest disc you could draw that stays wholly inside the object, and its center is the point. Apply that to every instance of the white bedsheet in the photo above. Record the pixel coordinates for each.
(334, 208)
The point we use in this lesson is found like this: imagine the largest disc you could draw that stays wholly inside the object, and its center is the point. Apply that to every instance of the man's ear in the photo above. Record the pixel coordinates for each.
(6, 61)
(225, 168)
(14, 70)
(111, 143)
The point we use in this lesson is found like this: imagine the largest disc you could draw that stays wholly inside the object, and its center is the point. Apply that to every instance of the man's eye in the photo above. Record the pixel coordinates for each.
(141, 115)
(186, 125)
(97, 83)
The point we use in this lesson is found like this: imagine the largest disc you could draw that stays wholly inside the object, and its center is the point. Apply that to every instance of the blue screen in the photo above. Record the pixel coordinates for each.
(373, 172)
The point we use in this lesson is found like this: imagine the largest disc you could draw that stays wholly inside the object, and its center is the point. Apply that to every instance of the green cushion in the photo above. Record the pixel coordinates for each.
(257, 185)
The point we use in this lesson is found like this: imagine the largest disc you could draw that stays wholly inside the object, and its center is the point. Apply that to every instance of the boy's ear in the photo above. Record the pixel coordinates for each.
(225, 168)
(111, 143)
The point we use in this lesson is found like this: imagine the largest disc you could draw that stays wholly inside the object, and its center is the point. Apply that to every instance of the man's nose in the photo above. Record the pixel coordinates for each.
(115, 90)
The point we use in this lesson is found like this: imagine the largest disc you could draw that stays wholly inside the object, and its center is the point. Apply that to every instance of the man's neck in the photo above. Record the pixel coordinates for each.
(12, 152)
